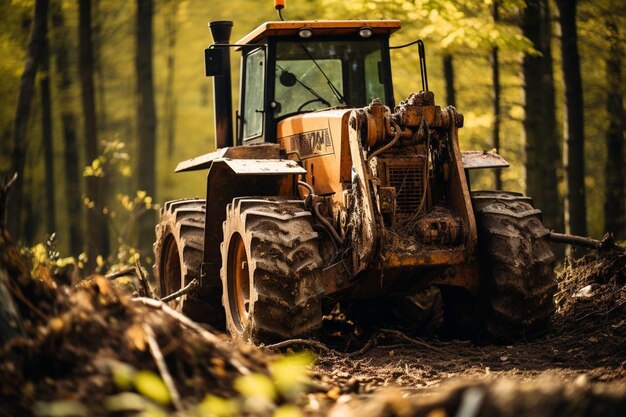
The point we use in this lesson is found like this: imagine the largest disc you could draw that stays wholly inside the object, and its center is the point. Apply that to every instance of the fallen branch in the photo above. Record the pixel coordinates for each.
(221, 346)
(292, 342)
(148, 291)
(369, 345)
(123, 273)
(318, 345)
(607, 242)
(17, 293)
(157, 355)
(186, 289)
(398, 334)
(5, 185)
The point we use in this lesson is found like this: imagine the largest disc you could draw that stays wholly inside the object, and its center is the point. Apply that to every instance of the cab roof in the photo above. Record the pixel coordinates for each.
(319, 27)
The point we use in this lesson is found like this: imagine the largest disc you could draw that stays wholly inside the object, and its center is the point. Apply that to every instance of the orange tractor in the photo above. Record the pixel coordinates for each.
(325, 190)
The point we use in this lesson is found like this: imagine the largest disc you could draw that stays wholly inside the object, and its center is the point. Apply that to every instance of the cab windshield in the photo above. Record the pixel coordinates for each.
(314, 75)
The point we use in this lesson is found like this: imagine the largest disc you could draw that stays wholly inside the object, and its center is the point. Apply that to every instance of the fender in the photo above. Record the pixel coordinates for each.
(482, 159)
(266, 174)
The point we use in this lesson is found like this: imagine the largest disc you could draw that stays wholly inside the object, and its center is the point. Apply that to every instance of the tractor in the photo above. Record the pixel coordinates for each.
(323, 189)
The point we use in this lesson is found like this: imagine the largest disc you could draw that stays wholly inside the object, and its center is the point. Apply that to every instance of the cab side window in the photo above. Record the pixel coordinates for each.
(254, 92)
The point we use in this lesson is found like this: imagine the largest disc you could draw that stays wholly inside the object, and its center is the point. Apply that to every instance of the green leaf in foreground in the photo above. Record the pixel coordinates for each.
(152, 386)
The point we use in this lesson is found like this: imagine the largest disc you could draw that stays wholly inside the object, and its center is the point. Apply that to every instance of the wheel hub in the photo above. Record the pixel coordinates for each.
(240, 277)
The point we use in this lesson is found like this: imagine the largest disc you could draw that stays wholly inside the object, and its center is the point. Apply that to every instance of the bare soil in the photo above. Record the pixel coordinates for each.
(584, 356)
(73, 337)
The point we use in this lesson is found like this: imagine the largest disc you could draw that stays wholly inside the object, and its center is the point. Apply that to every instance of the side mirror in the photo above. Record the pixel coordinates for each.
(214, 61)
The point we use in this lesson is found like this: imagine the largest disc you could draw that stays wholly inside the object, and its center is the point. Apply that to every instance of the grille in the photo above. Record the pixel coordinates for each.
(409, 183)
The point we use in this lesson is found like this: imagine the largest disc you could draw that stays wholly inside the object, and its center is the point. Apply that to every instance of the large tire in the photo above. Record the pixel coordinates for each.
(518, 266)
(178, 257)
(271, 270)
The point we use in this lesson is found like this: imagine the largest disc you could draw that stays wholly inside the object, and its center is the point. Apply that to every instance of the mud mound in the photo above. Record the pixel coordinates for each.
(102, 336)
(592, 293)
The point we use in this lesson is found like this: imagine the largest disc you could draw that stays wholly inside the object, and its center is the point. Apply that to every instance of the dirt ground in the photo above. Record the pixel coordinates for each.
(585, 352)
(79, 341)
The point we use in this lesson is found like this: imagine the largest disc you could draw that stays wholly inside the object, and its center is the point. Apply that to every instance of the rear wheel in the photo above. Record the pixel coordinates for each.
(178, 258)
(518, 264)
(271, 270)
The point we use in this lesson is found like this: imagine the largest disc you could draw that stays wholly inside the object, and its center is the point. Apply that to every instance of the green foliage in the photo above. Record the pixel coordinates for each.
(462, 28)
(275, 395)
(112, 167)
(152, 386)
(61, 408)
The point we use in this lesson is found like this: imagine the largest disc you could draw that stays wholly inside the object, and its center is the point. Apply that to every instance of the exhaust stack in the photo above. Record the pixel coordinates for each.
(222, 92)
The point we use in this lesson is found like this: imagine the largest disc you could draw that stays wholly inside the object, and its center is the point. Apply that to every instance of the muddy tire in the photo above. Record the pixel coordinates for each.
(271, 270)
(178, 258)
(518, 266)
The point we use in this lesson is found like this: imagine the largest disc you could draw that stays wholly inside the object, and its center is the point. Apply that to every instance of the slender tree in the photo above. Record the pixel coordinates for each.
(495, 78)
(97, 230)
(46, 129)
(574, 133)
(20, 126)
(71, 165)
(614, 210)
(542, 144)
(146, 118)
(170, 96)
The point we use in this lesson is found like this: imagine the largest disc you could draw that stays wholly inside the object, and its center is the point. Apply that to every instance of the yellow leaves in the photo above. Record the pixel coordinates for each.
(141, 201)
(123, 375)
(290, 374)
(217, 407)
(289, 410)
(256, 386)
(136, 337)
(89, 203)
(95, 169)
(56, 324)
(152, 386)
(149, 385)
(60, 408)
(126, 202)
(40, 253)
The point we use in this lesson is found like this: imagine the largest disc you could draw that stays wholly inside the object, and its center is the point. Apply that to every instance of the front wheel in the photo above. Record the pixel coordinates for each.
(271, 270)
(518, 266)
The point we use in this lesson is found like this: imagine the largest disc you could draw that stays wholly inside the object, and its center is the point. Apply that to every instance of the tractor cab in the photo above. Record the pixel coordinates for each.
(289, 68)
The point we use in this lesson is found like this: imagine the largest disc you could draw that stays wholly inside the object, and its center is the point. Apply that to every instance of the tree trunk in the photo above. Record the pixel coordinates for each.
(71, 157)
(99, 69)
(146, 119)
(614, 210)
(497, 117)
(448, 75)
(542, 143)
(46, 128)
(20, 126)
(97, 230)
(574, 126)
(170, 97)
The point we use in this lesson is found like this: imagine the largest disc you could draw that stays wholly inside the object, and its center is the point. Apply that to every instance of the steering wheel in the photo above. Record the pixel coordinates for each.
(306, 103)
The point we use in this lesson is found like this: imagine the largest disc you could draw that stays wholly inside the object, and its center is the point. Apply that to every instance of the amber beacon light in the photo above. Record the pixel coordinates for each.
(279, 5)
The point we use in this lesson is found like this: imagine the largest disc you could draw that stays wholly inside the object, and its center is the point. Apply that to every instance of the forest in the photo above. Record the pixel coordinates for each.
(101, 100)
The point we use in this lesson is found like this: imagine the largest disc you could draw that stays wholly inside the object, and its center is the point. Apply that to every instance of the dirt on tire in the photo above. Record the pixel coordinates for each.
(178, 253)
(519, 265)
(284, 268)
